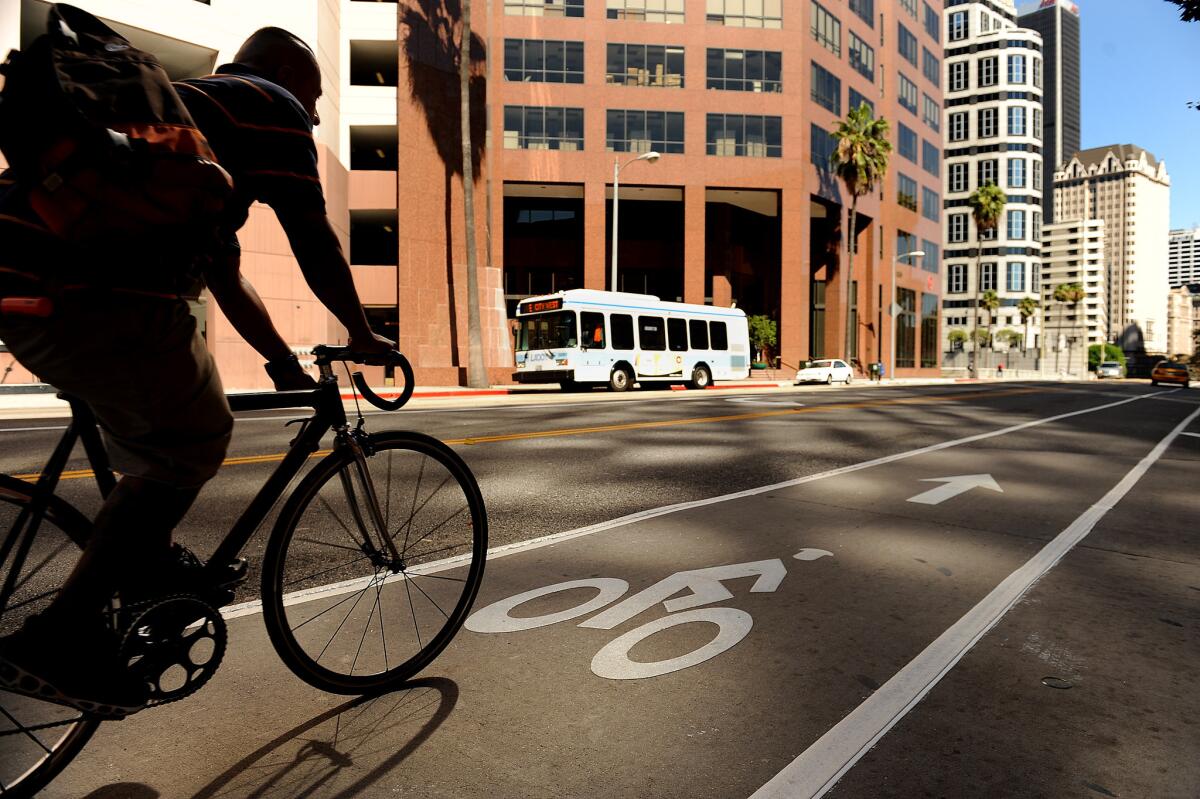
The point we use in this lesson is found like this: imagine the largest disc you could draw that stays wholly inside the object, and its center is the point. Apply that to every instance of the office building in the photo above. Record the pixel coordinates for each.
(994, 75)
(1183, 320)
(1127, 187)
(1183, 257)
(1058, 23)
(1073, 252)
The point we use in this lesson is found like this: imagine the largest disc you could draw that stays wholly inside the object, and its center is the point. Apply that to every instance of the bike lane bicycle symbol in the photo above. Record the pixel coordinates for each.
(612, 661)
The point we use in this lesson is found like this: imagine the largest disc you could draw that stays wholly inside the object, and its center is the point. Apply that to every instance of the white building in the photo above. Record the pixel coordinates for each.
(1127, 187)
(1073, 252)
(1183, 257)
(993, 128)
(1183, 320)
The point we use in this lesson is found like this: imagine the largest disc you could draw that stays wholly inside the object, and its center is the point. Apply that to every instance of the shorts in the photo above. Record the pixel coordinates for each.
(146, 373)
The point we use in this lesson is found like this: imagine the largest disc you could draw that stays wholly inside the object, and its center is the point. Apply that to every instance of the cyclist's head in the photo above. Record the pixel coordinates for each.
(284, 58)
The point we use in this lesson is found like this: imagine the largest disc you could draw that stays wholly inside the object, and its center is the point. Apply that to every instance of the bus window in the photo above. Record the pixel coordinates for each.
(621, 325)
(652, 333)
(592, 327)
(720, 339)
(699, 332)
(677, 335)
(546, 331)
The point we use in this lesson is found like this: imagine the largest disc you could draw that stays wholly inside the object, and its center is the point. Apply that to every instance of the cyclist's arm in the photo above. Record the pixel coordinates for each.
(243, 307)
(325, 270)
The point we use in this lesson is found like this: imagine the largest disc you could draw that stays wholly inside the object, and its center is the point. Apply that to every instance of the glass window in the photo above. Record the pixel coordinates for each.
(958, 176)
(826, 29)
(1016, 69)
(543, 61)
(621, 326)
(906, 142)
(745, 70)
(910, 6)
(699, 333)
(958, 76)
(906, 192)
(957, 228)
(826, 89)
(857, 100)
(931, 204)
(744, 135)
(987, 123)
(528, 127)
(547, 331)
(1037, 226)
(958, 26)
(931, 67)
(862, 57)
(669, 11)
(1016, 276)
(652, 333)
(929, 331)
(1016, 120)
(931, 158)
(544, 8)
(1037, 73)
(987, 277)
(907, 43)
(958, 278)
(931, 112)
(1037, 124)
(1016, 225)
(906, 328)
(908, 93)
(718, 335)
(645, 65)
(823, 146)
(865, 9)
(958, 126)
(987, 72)
(677, 338)
(744, 13)
(932, 260)
(1037, 174)
(592, 327)
(987, 171)
(1016, 173)
(640, 131)
(933, 24)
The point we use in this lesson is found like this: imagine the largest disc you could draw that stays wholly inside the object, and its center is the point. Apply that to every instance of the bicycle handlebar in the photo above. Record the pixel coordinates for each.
(326, 354)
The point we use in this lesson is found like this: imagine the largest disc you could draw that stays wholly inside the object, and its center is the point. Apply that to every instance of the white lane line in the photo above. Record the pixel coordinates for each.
(255, 606)
(29, 429)
(819, 767)
(1196, 435)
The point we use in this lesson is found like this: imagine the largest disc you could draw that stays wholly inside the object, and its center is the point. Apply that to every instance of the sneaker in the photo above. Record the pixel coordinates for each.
(72, 664)
(181, 572)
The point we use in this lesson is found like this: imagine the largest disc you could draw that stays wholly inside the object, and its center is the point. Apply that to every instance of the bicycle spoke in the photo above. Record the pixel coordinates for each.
(413, 609)
(439, 526)
(37, 568)
(327, 544)
(427, 596)
(346, 617)
(327, 571)
(413, 575)
(413, 510)
(387, 507)
(338, 519)
(366, 627)
(30, 600)
(24, 730)
(326, 610)
(448, 548)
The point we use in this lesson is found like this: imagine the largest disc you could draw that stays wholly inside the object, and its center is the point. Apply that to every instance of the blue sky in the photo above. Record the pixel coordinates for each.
(1141, 66)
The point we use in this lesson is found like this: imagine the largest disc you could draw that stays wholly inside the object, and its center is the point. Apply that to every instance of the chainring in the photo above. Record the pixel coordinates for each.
(175, 644)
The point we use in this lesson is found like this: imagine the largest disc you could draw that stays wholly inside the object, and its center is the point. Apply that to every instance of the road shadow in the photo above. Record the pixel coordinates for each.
(124, 790)
(342, 752)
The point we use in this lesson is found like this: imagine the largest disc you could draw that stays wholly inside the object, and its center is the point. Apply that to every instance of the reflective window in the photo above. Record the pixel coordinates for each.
(544, 8)
(639, 131)
(543, 61)
(744, 135)
(826, 89)
(826, 29)
(669, 11)
(745, 70)
(745, 13)
(528, 127)
(645, 65)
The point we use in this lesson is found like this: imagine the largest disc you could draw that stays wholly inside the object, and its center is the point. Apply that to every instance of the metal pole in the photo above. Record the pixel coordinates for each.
(616, 176)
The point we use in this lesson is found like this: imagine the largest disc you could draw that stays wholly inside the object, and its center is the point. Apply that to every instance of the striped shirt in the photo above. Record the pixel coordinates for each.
(262, 136)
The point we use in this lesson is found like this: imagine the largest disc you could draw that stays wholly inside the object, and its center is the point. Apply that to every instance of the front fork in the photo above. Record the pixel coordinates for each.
(359, 444)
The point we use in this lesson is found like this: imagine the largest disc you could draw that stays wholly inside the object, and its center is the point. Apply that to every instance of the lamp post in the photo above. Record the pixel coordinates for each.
(651, 156)
(892, 308)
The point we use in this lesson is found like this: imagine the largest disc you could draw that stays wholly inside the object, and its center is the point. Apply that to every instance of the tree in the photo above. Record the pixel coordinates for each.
(860, 161)
(1069, 294)
(1027, 307)
(981, 338)
(987, 206)
(1010, 337)
(1111, 353)
(476, 369)
(1189, 10)
(990, 302)
(763, 333)
(956, 338)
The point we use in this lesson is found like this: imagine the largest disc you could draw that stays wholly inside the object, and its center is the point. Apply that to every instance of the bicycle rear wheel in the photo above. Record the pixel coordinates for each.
(37, 739)
(352, 610)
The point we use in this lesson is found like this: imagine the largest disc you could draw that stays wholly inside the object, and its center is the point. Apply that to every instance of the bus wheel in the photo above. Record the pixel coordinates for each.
(701, 377)
(620, 379)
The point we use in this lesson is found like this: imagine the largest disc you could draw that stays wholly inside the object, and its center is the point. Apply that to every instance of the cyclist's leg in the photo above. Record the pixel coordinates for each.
(141, 366)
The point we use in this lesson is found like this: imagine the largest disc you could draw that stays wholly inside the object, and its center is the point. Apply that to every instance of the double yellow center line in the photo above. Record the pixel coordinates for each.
(612, 428)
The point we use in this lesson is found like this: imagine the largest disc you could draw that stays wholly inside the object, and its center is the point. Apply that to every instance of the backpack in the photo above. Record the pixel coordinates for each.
(107, 151)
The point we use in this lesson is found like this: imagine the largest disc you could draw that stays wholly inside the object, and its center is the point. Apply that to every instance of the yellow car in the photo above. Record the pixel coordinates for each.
(1169, 372)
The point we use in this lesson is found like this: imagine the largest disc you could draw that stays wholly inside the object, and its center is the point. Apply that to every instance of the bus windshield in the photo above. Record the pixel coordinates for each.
(547, 331)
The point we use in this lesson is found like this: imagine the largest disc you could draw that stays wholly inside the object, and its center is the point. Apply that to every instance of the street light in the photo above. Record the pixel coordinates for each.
(651, 156)
(894, 306)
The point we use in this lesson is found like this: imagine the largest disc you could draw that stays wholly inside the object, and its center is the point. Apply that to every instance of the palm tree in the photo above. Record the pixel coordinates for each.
(1069, 294)
(990, 302)
(861, 161)
(987, 206)
(476, 370)
(1027, 307)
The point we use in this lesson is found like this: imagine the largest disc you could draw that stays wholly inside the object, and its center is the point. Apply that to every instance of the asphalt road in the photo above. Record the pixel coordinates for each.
(1034, 635)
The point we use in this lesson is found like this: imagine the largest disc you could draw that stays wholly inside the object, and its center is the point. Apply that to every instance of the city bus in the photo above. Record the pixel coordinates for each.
(581, 338)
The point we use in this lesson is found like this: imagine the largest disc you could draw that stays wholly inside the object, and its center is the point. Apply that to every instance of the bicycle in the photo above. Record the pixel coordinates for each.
(393, 518)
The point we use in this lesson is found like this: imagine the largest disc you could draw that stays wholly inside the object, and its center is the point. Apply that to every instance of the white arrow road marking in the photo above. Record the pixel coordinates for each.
(953, 487)
(1196, 435)
(812, 554)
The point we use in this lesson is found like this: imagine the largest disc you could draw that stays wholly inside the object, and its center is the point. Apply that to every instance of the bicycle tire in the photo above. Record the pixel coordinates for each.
(30, 769)
(299, 587)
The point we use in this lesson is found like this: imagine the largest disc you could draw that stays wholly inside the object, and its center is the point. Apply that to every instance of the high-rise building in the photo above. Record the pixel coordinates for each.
(1058, 23)
(1183, 257)
(1183, 320)
(1073, 252)
(740, 99)
(993, 125)
(1127, 187)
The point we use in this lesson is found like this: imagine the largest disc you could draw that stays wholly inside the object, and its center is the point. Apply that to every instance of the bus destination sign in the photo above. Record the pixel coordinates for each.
(541, 305)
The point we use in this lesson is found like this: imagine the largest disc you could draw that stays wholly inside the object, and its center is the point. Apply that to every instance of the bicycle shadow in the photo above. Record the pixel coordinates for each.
(316, 757)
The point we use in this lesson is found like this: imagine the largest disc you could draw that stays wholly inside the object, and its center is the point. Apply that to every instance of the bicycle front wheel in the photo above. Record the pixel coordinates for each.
(357, 601)
(37, 739)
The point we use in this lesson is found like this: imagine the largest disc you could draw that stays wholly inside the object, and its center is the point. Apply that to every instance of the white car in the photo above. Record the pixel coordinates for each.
(827, 371)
